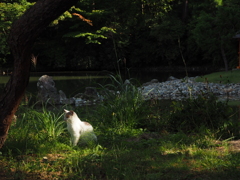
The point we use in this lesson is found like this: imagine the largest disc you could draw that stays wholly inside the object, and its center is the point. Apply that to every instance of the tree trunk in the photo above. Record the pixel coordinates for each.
(224, 58)
(21, 39)
(185, 10)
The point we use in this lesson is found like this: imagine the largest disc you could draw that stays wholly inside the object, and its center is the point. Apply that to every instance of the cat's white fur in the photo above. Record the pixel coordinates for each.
(78, 128)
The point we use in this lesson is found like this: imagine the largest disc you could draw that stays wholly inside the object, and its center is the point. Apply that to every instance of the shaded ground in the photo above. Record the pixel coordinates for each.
(8, 173)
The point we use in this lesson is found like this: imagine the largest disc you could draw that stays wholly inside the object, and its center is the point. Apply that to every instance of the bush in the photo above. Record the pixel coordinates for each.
(204, 112)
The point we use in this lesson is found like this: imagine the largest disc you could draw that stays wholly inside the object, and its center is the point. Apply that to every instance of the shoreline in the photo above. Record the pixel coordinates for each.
(179, 89)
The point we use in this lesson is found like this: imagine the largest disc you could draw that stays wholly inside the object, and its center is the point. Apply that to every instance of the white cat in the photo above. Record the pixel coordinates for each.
(78, 128)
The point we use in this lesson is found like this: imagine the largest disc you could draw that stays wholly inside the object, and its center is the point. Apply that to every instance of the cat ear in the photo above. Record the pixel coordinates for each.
(71, 112)
(66, 111)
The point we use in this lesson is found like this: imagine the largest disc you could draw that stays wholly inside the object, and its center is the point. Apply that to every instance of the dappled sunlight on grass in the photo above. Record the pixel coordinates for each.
(136, 140)
(142, 159)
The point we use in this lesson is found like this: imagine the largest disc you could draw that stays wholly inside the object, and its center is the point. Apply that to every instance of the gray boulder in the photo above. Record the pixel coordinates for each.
(47, 91)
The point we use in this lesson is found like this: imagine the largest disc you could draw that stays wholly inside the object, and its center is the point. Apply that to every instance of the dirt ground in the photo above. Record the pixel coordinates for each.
(234, 145)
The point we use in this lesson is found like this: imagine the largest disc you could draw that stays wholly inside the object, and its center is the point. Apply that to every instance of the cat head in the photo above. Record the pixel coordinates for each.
(68, 114)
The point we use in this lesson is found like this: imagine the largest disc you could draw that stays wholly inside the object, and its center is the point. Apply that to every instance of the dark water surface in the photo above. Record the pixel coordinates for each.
(75, 82)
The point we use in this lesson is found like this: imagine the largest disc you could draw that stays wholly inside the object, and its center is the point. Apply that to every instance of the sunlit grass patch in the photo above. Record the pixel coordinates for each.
(223, 77)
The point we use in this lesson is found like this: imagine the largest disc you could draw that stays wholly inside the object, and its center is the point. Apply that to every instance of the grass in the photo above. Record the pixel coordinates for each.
(136, 140)
(224, 77)
(166, 157)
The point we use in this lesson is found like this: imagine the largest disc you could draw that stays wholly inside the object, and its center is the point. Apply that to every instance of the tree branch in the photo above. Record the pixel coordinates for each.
(23, 34)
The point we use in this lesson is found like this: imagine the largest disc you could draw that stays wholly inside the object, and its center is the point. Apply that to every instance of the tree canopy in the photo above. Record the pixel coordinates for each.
(97, 34)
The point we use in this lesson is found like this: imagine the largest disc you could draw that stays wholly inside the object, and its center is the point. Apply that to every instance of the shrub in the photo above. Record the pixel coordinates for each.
(204, 112)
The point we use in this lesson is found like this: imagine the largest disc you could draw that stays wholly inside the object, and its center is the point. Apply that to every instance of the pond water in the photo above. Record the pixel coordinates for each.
(73, 83)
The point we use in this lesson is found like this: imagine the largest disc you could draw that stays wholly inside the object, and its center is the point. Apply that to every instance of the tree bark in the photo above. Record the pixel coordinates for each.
(185, 10)
(224, 58)
(23, 34)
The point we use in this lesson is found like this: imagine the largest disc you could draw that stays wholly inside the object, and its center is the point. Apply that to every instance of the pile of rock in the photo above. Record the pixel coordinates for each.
(47, 92)
(173, 89)
(178, 89)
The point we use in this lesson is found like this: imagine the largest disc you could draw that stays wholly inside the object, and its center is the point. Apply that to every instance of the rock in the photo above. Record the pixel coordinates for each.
(151, 82)
(154, 81)
(127, 82)
(64, 99)
(79, 101)
(178, 89)
(79, 95)
(62, 95)
(47, 91)
(90, 92)
(171, 78)
(89, 97)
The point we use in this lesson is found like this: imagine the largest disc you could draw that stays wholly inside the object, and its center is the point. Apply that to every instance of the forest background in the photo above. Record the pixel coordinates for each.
(97, 35)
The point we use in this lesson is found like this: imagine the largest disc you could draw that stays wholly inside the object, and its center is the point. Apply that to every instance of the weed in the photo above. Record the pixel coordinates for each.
(34, 128)
(123, 106)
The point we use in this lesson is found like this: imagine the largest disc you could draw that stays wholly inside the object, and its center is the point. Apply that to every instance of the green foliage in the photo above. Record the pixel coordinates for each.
(139, 156)
(8, 13)
(184, 139)
(34, 128)
(213, 31)
(173, 30)
(91, 37)
(219, 2)
(123, 107)
(49, 125)
(63, 17)
(202, 113)
(145, 33)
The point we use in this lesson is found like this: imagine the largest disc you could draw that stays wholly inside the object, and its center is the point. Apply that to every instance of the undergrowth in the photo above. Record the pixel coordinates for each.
(137, 139)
